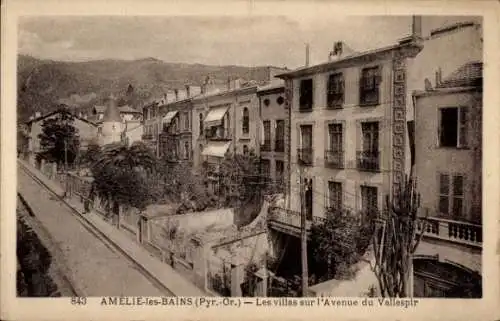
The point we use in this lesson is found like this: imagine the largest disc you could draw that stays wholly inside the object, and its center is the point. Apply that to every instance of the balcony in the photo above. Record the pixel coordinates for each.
(334, 158)
(453, 231)
(266, 147)
(218, 133)
(368, 161)
(305, 156)
(279, 145)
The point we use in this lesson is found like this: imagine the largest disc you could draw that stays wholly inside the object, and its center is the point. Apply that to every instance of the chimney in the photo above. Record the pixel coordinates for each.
(80, 114)
(31, 117)
(438, 77)
(228, 83)
(416, 27)
(37, 114)
(307, 55)
(165, 97)
(176, 91)
(188, 91)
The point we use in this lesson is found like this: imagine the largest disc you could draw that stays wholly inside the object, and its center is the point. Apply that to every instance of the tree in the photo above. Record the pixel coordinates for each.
(396, 239)
(240, 178)
(91, 155)
(124, 175)
(339, 242)
(59, 139)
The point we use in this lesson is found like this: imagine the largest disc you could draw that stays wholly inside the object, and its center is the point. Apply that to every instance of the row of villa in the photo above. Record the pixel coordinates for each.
(349, 130)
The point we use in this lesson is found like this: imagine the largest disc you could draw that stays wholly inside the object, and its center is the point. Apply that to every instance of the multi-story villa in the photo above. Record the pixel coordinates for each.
(448, 169)
(273, 115)
(226, 121)
(175, 137)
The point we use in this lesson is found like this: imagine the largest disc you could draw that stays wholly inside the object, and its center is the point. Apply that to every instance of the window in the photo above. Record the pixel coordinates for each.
(335, 195)
(335, 94)
(369, 202)
(451, 195)
(306, 136)
(369, 86)
(452, 130)
(246, 121)
(280, 171)
(266, 102)
(201, 123)
(267, 135)
(280, 100)
(187, 124)
(245, 150)
(334, 155)
(335, 137)
(306, 142)
(370, 136)
(280, 136)
(306, 94)
(368, 157)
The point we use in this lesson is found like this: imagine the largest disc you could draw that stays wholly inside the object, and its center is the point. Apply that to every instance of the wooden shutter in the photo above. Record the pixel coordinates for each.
(458, 195)
(444, 192)
(463, 127)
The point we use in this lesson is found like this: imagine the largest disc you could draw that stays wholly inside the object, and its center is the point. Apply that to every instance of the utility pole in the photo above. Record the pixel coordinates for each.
(303, 235)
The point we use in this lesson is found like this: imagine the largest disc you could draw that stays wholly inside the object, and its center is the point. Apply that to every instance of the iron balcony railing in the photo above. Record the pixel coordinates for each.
(218, 134)
(305, 156)
(334, 158)
(368, 161)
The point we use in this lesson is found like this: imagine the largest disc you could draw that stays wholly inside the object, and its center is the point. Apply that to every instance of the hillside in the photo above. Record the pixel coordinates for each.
(42, 84)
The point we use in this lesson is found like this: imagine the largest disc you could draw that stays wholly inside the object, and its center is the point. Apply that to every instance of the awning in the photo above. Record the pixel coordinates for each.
(169, 116)
(215, 116)
(217, 149)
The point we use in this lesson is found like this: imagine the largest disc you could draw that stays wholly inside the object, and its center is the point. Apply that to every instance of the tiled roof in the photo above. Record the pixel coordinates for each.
(470, 74)
(127, 109)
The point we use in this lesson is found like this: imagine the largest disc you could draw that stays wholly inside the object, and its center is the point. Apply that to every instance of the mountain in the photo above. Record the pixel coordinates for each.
(44, 84)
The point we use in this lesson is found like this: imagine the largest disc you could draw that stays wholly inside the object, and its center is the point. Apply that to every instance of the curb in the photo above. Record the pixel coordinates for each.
(98, 233)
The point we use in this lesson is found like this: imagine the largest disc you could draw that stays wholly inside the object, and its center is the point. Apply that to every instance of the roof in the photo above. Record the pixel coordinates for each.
(112, 113)
(217, 149)
(469, 74)
(128, 109)
(225, 92)
(324, 67)
(57, 112)
(271, 87)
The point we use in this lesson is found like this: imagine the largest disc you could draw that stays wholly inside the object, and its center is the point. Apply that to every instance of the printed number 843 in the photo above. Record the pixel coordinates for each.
(78, 301)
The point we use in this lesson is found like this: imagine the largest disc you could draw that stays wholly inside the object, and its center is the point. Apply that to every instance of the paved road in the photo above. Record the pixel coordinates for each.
(96, 268)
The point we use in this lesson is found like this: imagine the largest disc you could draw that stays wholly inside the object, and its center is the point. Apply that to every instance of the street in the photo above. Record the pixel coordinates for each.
(96, 268)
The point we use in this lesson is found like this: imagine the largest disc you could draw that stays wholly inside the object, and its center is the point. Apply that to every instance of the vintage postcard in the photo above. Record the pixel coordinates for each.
(249, 159)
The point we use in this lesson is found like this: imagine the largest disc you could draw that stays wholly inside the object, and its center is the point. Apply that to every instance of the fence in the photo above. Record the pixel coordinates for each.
(219, 276)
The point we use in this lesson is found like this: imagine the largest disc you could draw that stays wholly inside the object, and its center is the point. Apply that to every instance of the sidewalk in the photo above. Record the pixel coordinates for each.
(162, 272)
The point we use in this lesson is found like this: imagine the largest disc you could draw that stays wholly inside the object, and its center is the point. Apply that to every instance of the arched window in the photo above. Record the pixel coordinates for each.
(201, 123)
(246, 121)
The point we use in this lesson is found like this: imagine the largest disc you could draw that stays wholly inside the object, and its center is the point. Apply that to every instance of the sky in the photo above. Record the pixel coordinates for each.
(215, 40)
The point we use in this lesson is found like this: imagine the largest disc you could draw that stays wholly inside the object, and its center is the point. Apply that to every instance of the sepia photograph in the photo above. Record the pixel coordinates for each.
(266, 159)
